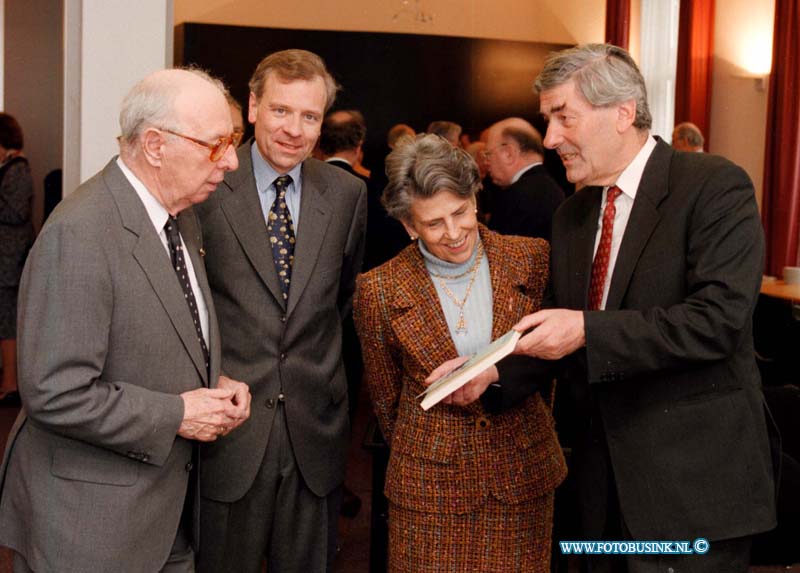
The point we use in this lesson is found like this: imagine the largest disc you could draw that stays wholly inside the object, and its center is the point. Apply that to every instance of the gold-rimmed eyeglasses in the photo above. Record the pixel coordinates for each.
(219, 148)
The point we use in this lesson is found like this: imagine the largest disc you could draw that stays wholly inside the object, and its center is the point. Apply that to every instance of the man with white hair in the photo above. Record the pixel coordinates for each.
(119, 354)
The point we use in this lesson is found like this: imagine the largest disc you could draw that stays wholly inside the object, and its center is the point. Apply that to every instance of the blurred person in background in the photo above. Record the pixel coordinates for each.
(16, 237)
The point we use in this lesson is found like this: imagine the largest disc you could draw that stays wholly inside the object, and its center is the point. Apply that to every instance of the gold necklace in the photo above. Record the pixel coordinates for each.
(461, 325)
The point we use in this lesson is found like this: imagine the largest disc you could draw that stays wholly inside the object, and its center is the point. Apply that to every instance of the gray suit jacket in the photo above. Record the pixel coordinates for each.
(295, 348)
(94, 477)
(669, 367)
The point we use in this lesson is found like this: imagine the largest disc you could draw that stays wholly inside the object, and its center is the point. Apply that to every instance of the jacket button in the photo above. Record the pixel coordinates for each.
(283, 318)
(482, 423)
(283, 356)
(270, 403)
(189, 467)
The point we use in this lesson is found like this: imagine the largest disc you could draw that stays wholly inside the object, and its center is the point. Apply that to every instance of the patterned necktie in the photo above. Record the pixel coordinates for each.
(281, 234)
(600, 263)
(178, 263)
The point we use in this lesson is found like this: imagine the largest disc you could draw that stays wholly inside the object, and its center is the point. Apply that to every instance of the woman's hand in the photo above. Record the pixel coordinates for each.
(470, 391)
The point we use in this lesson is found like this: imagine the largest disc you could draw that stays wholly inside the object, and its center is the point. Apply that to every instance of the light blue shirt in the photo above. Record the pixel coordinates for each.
(477, 308)
(265, 183)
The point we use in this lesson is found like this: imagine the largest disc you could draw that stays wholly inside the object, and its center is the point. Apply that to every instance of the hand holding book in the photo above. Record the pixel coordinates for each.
(556, 332)
(473, 370)
(470, 391)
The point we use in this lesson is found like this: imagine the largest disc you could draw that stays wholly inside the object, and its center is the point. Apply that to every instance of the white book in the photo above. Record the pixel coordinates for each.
(490, 355)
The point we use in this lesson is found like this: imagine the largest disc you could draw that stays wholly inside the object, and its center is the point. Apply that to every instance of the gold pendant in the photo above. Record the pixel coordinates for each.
(461, 325)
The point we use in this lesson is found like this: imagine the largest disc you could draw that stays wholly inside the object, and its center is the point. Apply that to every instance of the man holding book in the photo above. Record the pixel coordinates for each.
(656, 269)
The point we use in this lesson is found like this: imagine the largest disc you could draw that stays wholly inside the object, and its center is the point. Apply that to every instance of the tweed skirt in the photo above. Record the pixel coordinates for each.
(8, 312)
(495, 538)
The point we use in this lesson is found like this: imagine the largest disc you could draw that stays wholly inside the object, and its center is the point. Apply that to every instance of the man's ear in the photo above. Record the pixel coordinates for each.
(511, 151)
(153, 146)
(252, 108)
(626, 115)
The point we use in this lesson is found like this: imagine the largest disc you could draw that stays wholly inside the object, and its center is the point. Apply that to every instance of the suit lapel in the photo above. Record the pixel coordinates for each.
(153, 258)
(582, 234)
(315, 216)
(419, 322)
(644, 217)
(508, 283)
(242, 208)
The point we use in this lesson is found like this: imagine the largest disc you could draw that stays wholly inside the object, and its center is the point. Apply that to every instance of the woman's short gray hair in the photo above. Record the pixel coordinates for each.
(421, 167)
(605, 74)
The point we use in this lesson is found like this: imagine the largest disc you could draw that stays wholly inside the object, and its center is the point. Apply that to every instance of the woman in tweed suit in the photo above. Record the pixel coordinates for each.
(470, 483)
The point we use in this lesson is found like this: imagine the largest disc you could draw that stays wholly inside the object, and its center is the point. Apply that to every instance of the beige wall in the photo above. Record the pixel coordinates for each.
(33, 89)
(118, 42)
(738, 113)
(743, 38)
(556, 21)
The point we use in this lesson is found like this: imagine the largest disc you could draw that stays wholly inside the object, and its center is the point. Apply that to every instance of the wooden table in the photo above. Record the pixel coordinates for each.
(779, 289)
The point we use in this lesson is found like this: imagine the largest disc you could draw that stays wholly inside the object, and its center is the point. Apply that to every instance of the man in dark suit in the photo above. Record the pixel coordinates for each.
(284, 239)
(656, 266)
(341, 137)
(528, 195)
(343, 134)
(119, 349)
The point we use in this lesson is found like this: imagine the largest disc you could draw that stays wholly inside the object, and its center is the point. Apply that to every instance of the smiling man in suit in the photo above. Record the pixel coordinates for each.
(119, 349)
(284, 237)
(656, 267)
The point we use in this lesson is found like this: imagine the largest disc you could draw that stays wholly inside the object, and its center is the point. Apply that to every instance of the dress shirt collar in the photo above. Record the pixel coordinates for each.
(522, 171)
(341, 159)
(628, 181)
(265, 175)
(156, 211)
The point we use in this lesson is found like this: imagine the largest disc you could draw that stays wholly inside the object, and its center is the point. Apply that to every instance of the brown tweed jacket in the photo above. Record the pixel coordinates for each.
(449, 459)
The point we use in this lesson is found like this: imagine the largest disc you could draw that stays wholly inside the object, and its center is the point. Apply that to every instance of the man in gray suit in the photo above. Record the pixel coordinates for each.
(284, 237)
(119, 349)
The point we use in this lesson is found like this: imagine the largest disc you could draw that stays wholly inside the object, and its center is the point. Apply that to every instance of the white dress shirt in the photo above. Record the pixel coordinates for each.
(522, 171)
(158, 216)
(628, 183)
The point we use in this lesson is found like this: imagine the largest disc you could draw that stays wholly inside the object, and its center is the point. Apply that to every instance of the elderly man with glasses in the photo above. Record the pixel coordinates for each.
(119, 353)
(528, 195)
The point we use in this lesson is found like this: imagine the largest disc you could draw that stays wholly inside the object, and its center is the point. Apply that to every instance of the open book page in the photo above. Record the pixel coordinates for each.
(492, 354)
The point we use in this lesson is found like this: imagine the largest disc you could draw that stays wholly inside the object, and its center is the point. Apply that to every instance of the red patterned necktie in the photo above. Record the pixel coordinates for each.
(600, 263)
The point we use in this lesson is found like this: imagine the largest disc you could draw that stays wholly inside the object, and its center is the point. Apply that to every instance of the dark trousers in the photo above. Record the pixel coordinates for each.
(279, 519)
(602, 519)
